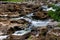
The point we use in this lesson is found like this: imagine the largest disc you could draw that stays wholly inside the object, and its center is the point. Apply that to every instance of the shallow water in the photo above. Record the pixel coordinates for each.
(35, 23)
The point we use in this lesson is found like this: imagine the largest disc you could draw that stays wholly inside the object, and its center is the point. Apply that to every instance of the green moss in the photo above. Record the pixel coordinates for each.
(58, 25)
(55, 14)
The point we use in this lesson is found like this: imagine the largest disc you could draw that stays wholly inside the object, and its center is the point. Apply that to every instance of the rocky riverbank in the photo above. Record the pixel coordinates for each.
(24, 21)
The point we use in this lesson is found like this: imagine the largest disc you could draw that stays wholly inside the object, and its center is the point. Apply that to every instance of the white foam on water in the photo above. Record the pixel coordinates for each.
(40, 23)
(21, 32)
(3, 37)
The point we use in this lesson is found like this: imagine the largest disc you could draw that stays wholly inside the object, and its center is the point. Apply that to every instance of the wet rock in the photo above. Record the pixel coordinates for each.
(19, 35)
(23, 23)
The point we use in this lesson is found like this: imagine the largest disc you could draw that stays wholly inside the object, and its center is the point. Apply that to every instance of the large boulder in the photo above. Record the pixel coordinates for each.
(7, 25)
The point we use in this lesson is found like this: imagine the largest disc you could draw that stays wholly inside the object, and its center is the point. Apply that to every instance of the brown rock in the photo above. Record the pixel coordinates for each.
(53, 34)
(41, 15)
(6, 25)
(18, 37)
